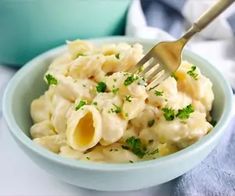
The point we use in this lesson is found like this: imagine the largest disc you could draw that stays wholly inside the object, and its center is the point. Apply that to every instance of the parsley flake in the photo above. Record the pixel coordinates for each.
(213, 122)
(80, 54)
(153, 152)
(140, 69)
(101, 87)
(152, 88)
(150, 141)
(95, 103)
(115, 90)
(128, 98)
(117, 56)
(169, 113)
(192, 73)
(116, 109)
(87, 151)
(115, 149)
(185, 112)
(125, 147)
(131, 161)
(151, 123)
(51, 79)
(174, 76)
(130, 79)
(80, 104)
(134, 144)
(158, 93)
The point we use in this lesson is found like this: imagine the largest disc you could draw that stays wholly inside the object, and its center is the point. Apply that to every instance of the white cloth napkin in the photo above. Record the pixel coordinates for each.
(220, 51)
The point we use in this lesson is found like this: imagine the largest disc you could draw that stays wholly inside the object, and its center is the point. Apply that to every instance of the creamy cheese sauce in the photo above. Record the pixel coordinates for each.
(95, 110)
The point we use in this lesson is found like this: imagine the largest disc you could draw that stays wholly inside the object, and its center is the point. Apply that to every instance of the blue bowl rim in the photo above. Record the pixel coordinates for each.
(194, 148)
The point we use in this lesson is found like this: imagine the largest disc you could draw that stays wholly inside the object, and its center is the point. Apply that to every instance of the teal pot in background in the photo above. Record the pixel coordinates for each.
(29, 27)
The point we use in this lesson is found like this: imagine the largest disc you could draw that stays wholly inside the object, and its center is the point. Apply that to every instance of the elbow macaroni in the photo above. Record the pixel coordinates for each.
(95, 110)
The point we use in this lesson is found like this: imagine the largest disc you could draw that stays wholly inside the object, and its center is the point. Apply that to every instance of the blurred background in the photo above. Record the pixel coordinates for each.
(29, 27)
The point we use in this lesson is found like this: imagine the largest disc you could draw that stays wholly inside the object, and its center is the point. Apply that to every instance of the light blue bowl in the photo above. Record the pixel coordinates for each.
(28, 84)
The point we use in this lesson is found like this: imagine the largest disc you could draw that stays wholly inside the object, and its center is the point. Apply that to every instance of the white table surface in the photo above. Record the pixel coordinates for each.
(20, 176)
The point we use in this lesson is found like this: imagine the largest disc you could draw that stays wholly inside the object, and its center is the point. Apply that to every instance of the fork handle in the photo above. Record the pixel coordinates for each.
(207, 17)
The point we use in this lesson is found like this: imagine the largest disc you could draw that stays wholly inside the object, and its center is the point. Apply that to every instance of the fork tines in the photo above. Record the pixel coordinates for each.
(152, 71)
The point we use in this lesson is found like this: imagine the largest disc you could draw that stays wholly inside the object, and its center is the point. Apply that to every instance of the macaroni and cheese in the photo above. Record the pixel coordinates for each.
(94, 109)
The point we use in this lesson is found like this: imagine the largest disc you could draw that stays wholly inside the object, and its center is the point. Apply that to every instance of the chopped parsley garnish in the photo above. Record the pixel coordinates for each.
(113, 150)
(192, 73)
(134, 144)
(150, 141)
(88, 158)
(169, 113)
(158, 93)
(213, 122)
(115, 90)
(117, 55)
(131, 161)
(130, 80)
(101, 87)
(140, 69)
(174, 76)
(116, 109)
(84, 85)
(185, 112)
(115, 79)
(126, 115)
(51, 79)
(88, 150)
(80, 54)
(128, 98)
(153, 152)
(151, 123)
(152, 88)
(80, 104)
(94, 103)
(125, 147)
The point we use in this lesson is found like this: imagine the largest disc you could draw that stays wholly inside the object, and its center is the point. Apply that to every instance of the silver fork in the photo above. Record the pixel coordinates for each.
(165, 57)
